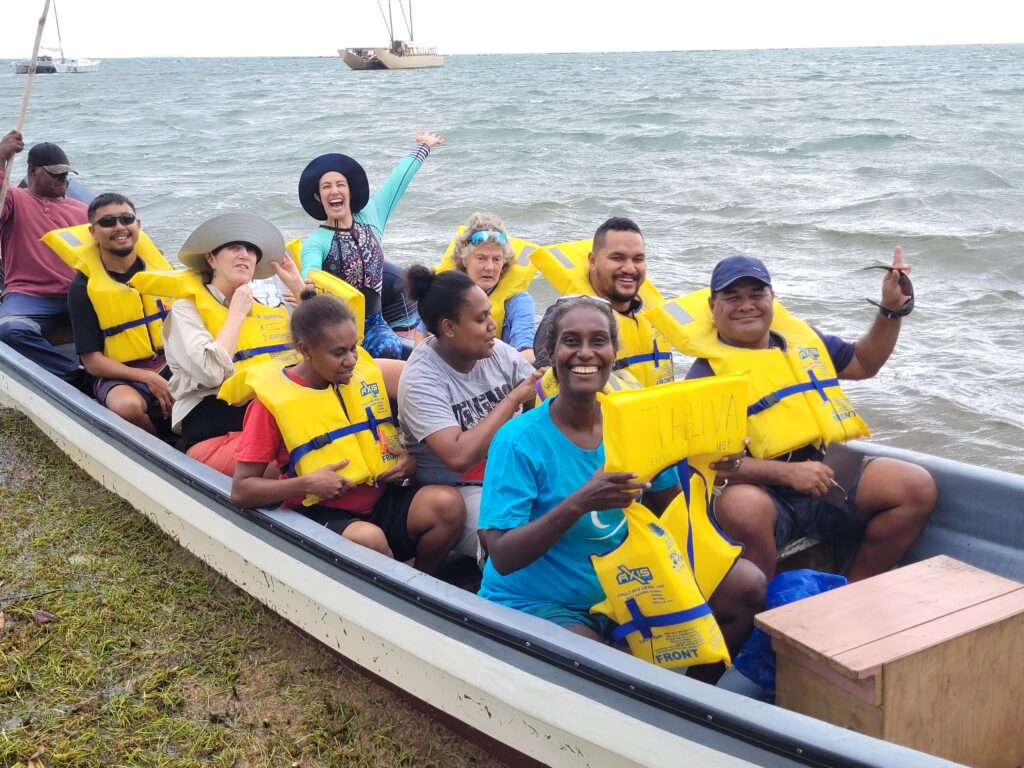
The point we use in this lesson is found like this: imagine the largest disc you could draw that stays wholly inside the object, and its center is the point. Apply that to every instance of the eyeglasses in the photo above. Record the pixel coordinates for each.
(488, 236)
(58, 176)
(109, 222)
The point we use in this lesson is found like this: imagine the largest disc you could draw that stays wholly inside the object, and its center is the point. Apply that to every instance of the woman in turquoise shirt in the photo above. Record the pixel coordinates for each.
(548, 504)
(334, 190)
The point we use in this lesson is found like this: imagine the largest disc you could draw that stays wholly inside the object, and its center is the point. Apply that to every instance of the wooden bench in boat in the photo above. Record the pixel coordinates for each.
(930, 656)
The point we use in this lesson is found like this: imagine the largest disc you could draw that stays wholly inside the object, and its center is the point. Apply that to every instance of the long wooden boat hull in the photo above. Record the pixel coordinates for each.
(515, 681)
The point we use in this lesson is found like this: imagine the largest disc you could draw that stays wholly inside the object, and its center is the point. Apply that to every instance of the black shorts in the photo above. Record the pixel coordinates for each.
(390, 514)
(801, 515)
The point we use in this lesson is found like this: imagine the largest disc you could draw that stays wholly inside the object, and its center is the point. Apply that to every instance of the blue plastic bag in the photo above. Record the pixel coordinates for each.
(757, 659)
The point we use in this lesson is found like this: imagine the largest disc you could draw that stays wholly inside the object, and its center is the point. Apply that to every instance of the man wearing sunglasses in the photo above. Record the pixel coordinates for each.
(134, 389)
(34, 303)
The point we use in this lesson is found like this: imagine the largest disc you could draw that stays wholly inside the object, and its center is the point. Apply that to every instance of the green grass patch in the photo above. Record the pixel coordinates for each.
(118, 648)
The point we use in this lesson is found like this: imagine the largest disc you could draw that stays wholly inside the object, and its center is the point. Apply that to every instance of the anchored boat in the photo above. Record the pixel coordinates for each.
(399, 54)
(526, 689)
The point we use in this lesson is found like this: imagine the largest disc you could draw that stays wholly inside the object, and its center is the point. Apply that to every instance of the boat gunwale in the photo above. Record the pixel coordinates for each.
(771, 731)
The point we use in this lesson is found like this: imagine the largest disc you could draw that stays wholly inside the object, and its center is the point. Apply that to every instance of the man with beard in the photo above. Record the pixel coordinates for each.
(616, 268)
(35, 280)
(106, 313)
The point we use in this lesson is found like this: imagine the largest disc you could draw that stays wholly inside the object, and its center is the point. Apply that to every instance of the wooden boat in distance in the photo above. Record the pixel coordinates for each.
(400, 55)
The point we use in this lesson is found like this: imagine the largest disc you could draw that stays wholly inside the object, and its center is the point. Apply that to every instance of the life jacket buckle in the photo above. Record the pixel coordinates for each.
(320, 441)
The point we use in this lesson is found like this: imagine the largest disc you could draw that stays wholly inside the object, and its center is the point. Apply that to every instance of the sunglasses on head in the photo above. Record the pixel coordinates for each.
(488, 236)
(109, 222)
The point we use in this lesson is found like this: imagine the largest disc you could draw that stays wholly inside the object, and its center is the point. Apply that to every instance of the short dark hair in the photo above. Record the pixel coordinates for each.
(562, 307)
(108, 198)
(315, 312)
(614, 224)
(439, 296)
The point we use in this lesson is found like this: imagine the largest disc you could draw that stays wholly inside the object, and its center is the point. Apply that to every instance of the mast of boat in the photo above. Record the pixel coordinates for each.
(60, 42)
(389, 23)
(407, 19)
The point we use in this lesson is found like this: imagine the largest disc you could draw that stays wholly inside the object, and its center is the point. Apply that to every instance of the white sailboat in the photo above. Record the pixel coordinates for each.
(49, 65)
(400, 54)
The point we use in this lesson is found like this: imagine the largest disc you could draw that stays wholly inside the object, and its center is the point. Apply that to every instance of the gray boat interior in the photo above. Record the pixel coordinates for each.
(977, 521)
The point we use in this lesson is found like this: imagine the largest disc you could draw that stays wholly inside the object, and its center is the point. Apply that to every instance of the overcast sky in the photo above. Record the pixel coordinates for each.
(130, 28)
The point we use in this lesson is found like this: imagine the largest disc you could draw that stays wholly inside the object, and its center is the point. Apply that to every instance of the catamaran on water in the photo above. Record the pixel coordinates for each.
(399, 54)
(48, 65)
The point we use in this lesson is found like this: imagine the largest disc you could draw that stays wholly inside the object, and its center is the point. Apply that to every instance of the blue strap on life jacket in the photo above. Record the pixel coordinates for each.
(160, 314)
(320, 441)
(816, 384)
(246, 354)
(654, 356)
(644, 624)
(684, 471)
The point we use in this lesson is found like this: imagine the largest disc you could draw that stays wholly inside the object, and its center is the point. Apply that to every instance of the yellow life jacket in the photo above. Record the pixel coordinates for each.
(324, 426)
(794, 396)
(517, 277)
(644, 351)
(131, 323)
(325, 282)
(265, 332)
(650, 592)
(689, 425)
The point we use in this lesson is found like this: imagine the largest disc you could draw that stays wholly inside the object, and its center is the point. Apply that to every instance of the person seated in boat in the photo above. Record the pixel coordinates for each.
(401, 521)
(616, 269)
(35, 279)
(334, 190)
(779, 493)
(548, 504)
(458, 387)
(216, 327)
(398, 310)
(107, 340)
(483, 251)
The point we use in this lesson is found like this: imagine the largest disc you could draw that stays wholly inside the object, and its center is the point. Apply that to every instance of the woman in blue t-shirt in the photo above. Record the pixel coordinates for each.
(334, 190)
(548, 504)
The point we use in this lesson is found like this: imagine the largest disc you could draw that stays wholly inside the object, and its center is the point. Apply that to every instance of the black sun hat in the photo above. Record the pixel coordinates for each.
(309, 182)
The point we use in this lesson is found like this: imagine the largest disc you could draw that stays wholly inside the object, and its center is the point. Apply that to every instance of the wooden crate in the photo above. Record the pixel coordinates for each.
(930, 656)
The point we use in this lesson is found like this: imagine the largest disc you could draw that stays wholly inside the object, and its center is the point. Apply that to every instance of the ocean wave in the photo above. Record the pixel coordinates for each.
(857, 141)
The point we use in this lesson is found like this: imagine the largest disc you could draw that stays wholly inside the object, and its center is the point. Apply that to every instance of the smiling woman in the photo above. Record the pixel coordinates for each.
(458, 387)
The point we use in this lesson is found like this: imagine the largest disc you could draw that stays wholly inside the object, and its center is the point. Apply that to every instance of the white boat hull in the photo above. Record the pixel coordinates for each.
(382, 58)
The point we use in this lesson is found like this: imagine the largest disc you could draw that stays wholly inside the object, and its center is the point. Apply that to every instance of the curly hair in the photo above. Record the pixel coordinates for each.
(481, 222)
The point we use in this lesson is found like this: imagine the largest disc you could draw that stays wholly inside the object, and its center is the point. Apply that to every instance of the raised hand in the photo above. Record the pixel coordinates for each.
(428, 138)
(288, 272)
(896, 289)
(10, 145)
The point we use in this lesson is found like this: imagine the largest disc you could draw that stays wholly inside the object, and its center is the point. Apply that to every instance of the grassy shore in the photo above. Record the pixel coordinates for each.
(118, 648)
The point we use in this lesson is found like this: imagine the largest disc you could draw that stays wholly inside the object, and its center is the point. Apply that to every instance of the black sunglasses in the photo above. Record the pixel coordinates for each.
(109, 222)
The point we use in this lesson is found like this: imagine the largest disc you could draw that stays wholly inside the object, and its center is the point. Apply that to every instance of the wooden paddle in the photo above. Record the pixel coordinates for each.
(24, 100)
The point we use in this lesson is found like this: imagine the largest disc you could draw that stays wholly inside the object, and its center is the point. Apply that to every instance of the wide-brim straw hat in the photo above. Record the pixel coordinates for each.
(309, 183)
(234, 227)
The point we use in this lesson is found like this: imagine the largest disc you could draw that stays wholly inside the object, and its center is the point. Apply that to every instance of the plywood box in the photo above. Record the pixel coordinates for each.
(930, 656)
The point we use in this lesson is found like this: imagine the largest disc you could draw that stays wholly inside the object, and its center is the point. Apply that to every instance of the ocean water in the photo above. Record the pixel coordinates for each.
(819, 161)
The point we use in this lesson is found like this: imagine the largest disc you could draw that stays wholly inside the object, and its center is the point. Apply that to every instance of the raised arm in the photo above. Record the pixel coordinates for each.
(873, 349)
(383, 203)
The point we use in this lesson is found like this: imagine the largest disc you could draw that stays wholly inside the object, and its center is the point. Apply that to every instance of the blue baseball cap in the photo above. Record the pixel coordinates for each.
(733, 268)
